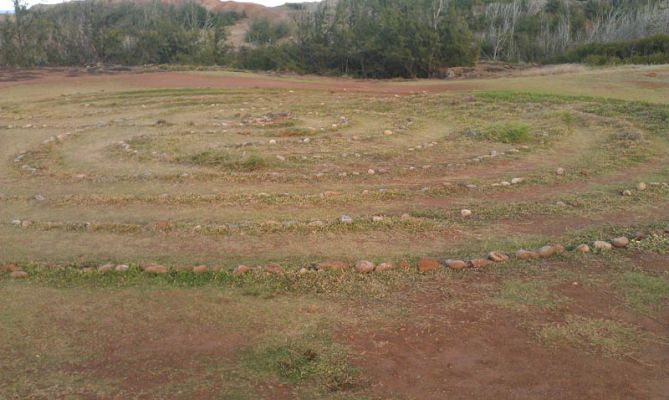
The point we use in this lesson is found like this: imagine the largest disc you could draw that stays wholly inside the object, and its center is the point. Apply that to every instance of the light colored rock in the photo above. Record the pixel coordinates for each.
(428, 264)
(456, 264)
(377, 218)
(19, 275)
(627, 192)
(121, 268)
(345, 219)
(561, 171)
(505, 183)
(371, 171)
(516, 181)
(642, 186)
(603, 246)
(383, 267)
(364, 267)
(583, 248)
(241, 270)
(546, 251)
(387, 132)
(620, 242)
(466, 213)
(497, 256)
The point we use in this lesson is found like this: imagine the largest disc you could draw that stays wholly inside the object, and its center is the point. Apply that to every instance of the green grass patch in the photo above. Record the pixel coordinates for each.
(507, 132)
(519, 294)
(643, 292)
(600, 335)
(306, 359)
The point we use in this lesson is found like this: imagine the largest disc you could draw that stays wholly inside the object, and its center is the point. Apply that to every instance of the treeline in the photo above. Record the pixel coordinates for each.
(648, 50)
(128, 33)
(363, 38)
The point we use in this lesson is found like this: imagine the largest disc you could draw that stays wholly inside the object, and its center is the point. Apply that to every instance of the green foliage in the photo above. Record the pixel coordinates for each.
(648, 50)
(508, 132)
(128, 33)
(518, 294)
(263, 32)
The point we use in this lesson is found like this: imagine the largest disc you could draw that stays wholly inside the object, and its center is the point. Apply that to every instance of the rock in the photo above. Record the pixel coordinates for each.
(316, 224)
(303, 271)
(456, 264)
(561, 204)
(371, 171)
(39, 197)
(9, 268)
(19, 275)
(583, 248)
(333, 265)
(155, 269)
(546, 251)
(377, 218)
(387, 132)
(405, 265)
(516, 181)
(603, 246)
(121, 268)
(200, 269)
(478, 263)
(428, 264)
(642, 186)
(383, 267)
(364, 267)
(497, 256)
(26, 223)
(274, 269)
(272, 141)
(561, 171)
(627, 192)
(620, 242)
(241, 270)
(559, 249)
(105, 268)
(466, 213)
(527, 255)
(405, 217)
(345, 219)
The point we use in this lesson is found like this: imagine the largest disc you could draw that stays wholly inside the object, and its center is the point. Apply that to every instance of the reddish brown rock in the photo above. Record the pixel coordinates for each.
(428, 264)
(364, 267)
(106, 268)
(620, 242)
(383, 267)
(200, 269)
(497, 256)
(479, 263)
(156, 269)
(583, 248)
(333, 265)
(241, 270)
(558, 248)
(9, 268)
(527, 255)
(19, 275)
(274, 269)
(456, 264)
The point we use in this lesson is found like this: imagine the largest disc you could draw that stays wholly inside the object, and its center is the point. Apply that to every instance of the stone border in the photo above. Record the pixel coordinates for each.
(423, 265)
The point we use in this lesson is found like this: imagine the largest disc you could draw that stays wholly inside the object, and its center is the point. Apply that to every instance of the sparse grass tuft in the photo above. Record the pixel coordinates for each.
(305, 359)
(518, 294)
(604, 336)
(509, 132)
(643, 292)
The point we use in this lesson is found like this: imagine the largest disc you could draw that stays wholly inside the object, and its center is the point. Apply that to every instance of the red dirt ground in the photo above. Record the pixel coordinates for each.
(475, 351)
(167, 80)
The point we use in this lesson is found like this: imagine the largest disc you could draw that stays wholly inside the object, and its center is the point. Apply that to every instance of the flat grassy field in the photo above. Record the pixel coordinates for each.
(220, 169)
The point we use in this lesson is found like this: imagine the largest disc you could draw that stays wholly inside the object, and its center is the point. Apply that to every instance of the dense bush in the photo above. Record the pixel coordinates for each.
(649, 50)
